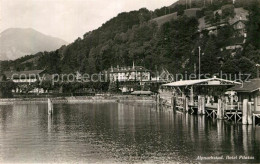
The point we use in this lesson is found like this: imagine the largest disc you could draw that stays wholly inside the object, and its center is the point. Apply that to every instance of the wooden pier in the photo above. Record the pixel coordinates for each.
(244, 114)
(228, 106)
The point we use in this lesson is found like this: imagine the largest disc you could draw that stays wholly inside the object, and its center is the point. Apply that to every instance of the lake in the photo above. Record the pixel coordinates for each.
(116, 132)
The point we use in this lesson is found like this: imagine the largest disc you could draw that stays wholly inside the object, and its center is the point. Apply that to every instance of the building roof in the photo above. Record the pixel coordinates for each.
(212, 81)
(247, 87)
(128, 69)
(242, 21)
(22, 74)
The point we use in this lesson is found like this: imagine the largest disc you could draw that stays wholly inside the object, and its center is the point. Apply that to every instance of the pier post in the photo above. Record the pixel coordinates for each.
(208, 100)
(184, 104)
(158, 98)
(173, 102)
(220, 113)
(249, 114)
(199, 105)
(203, 105)
(191, 96)
(187, 104)
(253, 120)
(244, 116)
(50, 107)
(157, 101)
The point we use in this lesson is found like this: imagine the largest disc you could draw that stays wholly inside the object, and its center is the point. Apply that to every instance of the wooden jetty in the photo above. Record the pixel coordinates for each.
(225, 101)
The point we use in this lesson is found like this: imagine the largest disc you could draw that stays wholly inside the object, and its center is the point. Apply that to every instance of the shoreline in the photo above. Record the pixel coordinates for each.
(78, 99)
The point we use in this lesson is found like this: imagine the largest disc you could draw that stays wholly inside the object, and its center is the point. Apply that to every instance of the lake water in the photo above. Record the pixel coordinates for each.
(115, 132)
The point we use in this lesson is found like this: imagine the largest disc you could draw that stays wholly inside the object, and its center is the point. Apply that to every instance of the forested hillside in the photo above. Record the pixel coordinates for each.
(174, 45)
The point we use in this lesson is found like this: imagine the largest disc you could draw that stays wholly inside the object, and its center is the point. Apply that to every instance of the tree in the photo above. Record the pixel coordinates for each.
(228, 11)
(209, 61)
(253, 26)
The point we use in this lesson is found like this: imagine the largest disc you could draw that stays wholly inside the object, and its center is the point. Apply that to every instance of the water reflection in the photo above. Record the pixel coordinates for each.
(117, 132)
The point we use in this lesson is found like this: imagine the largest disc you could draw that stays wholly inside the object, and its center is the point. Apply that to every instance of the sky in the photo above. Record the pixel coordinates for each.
(67, 19)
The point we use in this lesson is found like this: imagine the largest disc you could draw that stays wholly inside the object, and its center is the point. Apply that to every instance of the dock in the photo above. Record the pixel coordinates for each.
(188, 96)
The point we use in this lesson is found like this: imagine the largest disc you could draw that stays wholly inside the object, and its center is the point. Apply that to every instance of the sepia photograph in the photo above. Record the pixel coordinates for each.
(129, 81)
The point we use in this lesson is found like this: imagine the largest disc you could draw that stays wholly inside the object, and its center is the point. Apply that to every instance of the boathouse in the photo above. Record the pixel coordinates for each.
(200, 94)
(249, 90)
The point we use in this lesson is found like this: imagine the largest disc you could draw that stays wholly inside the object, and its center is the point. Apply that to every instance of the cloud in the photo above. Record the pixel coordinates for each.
(67, 19)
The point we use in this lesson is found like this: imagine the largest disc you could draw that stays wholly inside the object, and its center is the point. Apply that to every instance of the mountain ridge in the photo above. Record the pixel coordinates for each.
(18, 42)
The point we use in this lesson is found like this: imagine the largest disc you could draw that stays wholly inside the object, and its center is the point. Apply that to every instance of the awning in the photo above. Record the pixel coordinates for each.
(212, 81)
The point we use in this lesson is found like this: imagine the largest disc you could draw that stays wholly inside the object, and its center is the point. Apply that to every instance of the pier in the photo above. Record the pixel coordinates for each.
(215, 98)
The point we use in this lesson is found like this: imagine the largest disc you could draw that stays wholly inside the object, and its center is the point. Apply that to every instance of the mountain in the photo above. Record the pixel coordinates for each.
(17, 42)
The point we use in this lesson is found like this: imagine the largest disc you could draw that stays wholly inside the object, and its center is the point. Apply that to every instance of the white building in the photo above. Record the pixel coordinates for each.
(134, 73)
(24, 76)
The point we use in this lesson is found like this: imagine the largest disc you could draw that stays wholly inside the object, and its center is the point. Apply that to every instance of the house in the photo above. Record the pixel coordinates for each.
(134, 73)
(249, 90)
(240, 28)
(25, 79)
(238, 22)
(24, 76)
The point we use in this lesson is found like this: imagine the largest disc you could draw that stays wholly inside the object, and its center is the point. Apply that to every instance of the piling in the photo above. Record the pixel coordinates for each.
(203, 105)
(208, 100)
(220, 113)
(191, 97)
(157, 101)
(157, 98)
(254, 120)
(173, 102)
(50, 107)
(244, 116)
(199, 104)
(184, 104)
(249, 114)
(187, 104)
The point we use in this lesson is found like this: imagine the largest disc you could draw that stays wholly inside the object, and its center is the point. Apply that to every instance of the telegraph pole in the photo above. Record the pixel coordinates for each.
(199, 61)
